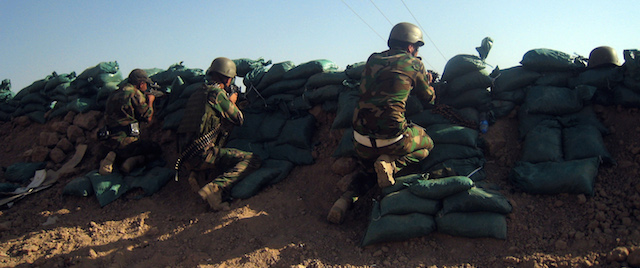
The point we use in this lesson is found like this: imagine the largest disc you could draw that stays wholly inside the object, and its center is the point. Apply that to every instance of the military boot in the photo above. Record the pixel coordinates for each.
(106, 164)
(338, 211)
(385, 167)
(131, 163)
(213, 195)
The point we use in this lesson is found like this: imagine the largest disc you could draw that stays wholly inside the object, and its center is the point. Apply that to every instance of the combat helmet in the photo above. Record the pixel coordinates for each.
(406, 32)
(603, 55)
(223, 66)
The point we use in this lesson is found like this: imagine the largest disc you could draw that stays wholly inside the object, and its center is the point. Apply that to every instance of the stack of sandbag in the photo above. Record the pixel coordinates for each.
(6, 95)
(628, 94)
(416, 206)
(33, 101)
(562, 137)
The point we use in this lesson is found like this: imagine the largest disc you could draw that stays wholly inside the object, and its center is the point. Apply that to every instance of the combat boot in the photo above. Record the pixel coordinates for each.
(338, 211)
(193, 181)
(385, 167)
(106, 164)
(213, 195)
(131, 163)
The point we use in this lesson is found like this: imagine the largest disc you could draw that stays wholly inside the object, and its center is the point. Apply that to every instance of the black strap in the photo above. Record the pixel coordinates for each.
(373, 143)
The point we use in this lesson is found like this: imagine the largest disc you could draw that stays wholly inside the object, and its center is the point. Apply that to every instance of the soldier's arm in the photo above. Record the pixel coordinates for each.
(228, 110)
(423, 88)
(142, 106)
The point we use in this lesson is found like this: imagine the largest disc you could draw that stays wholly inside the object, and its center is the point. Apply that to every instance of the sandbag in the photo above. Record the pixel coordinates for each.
(472, 80)
(325, 78)
(244, 65)
(443, 152)
(557, 100)
(271, 126)
(427, 118)
(22, 172)
(585, 116)
(574, 177)
(290, 153)
(556, 79)
(190, 89)
(501, 108)
(413, 106)
(178, 69)
(396, 227)
(325, 93)
(298, 132)
(354, 71)
(172, 120)
(473, 224)
(514, 78)
(305, 70)
(347, 103)
(248, 146)
(476, 200)
(549, 60)
(516, 95)
(460, 65)
(37, 116)
(109, 67)
(603, 78)
(151, 181)
(626, 97)
(463, 167)
(271, 171)
(452, 134)
(403, 182)
(404, 202)
(57, 80)
(283, 86)
(441, 188)
(80, 186)
(274, 74)
(250, 127)
(584, 141)
(107, 188)
(543, 143)
(478, 98)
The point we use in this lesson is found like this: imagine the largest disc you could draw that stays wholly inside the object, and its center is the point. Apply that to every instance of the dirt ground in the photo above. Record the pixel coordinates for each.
(284, 225)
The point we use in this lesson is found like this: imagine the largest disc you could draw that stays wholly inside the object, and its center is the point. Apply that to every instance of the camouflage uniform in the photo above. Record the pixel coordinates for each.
(207, 108)
(388, 79)
(125, 106)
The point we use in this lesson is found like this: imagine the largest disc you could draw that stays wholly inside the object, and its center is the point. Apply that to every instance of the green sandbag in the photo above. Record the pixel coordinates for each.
(81, 105)
(396, 227)
(5, 116)
(305, 70)
(460, 65)
(290, 153)
(354, 71)
(110, 67)
(603, 78)
(557, 100)
(250, 127)
(80, 186)
(574, 177)
(271, 126)
(514, 78)
(516, 95)
(151, 181)
(527, 121)
(478, 98)
(501, 108)
(174, 106)
(325, 78)
(473, 224)
(272, 171)
(7, 187)
(584, 141)
(274, 74)
(427, 118)
(404, 202)
(248, 146)
(244, 65)
(441, 188)
(22, 172)
(178, 69)
(346, 105)
(403, 182)
(543, 143)
(282, 86)
(107, 188)
(57, 80)
(557, 79)
(190, 89)
(172, 120)
(475, 79)
(35, 87)
(550, 60)
(443, 152)
(413, 106)
(586, 116)
(37, 116)
(345, 147)
(325, 93)
(253, 78)
(452, 134)
(298, 132)
(626, 97)
(476, 200)
(463, 167)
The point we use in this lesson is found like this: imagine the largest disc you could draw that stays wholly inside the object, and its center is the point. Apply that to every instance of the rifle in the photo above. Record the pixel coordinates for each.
(196, 146)
(154, 90)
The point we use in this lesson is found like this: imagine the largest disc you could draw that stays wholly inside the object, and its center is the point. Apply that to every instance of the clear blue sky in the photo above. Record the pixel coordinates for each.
(39, 37)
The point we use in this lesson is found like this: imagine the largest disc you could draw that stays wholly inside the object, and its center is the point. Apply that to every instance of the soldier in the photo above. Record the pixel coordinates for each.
(210, 114)
(603, 56)
(383, 138)
(125, 109)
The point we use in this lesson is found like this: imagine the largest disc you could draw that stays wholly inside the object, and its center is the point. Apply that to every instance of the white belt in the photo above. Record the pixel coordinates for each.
(364, 140)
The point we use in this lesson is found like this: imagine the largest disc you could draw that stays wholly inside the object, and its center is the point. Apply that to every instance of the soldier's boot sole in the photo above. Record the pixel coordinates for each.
(338, 211)
(213, 195)
(106, 164)
(385, 168)
(193, 181)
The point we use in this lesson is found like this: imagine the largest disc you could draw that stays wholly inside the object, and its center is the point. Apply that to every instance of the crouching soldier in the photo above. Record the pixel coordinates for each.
(210, 114)
(126, 108)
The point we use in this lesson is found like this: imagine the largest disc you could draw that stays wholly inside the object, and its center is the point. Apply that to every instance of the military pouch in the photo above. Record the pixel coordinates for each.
(103, 133)
(132, 130)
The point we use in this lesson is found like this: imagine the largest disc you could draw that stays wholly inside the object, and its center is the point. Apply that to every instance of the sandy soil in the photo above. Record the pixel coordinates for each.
(284, 225)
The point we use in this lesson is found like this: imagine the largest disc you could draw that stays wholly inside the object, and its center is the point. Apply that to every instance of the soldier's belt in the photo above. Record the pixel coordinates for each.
(375, 143)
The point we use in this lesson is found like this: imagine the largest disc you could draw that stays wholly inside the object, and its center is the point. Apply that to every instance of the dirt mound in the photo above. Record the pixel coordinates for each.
(284, 225)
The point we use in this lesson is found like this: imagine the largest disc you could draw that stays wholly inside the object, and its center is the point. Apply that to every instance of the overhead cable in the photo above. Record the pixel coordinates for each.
(425, 33)
(354, 12)
(381, 12)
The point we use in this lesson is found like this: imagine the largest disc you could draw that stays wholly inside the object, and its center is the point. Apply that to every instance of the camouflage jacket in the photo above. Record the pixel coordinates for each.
(127, 105)
(387, 80)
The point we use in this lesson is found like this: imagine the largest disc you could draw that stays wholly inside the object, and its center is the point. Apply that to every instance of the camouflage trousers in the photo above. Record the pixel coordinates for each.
(411, 149)
(233, 163)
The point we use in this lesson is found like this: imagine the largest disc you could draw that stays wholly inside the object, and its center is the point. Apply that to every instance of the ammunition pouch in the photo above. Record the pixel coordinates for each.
(132, 130)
